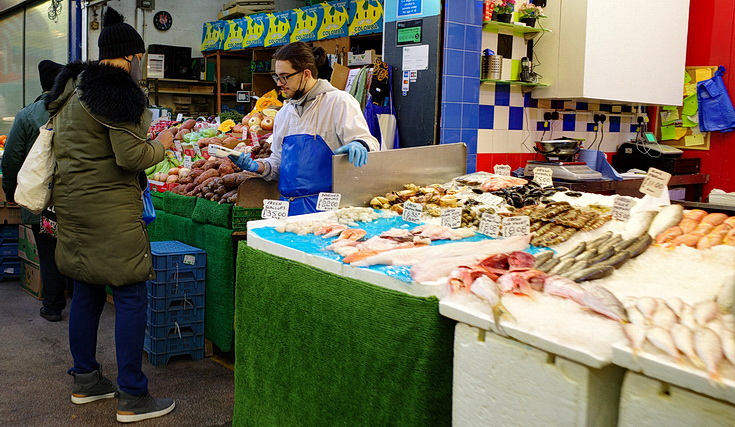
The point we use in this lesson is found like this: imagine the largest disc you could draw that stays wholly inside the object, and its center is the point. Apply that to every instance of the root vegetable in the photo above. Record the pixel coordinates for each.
(173, 171)
(211, 173)
(172, 178)
(198, 164)
(188, 124)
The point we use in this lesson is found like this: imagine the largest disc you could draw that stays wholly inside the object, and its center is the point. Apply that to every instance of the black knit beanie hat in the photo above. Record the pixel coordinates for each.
(47, 71)
(117, 38)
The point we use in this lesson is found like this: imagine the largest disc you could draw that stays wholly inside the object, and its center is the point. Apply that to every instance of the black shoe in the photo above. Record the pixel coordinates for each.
(50, 317)
(138, 408)
(90, 387)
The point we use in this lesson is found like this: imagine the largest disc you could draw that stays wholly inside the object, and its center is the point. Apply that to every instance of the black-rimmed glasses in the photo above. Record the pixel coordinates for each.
(283, 79)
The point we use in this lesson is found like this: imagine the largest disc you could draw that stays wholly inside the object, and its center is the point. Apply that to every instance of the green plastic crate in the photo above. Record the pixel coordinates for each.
(241, 216)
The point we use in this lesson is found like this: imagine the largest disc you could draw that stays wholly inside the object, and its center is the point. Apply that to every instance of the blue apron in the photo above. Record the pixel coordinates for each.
(306, 170)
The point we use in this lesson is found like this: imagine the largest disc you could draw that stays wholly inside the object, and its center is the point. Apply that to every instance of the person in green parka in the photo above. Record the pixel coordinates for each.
(101, 148)
(20, 140)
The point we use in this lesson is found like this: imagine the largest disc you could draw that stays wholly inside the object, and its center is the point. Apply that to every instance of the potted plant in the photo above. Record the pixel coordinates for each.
(503, 10)
(528, 13)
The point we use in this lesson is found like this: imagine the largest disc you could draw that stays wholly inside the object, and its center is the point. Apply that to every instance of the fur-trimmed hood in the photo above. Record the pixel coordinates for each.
(107, 91)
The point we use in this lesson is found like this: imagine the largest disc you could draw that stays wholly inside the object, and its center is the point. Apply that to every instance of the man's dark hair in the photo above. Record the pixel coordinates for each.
(300, 56)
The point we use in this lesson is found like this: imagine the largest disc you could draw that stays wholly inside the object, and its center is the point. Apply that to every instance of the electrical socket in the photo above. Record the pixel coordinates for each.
(603, 118)
(555, 115)
(596, 118)
(547, 116)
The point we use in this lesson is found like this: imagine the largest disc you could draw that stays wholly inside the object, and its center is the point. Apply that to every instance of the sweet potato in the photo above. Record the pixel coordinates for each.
(216, 197)
(189, 187)
(186, 180)
(233, 180)
(180, 135)
(213, 163)
(198, 164)
(227, 196)
(188, 124)
(208, 196)
(211, 173)
(225, 168)
(230, 142)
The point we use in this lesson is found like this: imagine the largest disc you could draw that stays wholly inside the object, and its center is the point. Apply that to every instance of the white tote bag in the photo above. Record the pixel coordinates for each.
(35, 178)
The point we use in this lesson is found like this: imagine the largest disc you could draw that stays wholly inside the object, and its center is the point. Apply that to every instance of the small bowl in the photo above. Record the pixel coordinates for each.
(558, 148)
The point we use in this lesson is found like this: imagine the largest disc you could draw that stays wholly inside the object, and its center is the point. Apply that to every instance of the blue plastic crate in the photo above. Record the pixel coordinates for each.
(167, 289)
(172, 344)
(9, 249)
(158, 359)
(180, 274)
(177, 312)
(161, 304)
(169, 255)
(10, 268)
(4, 240)
(174, 330)
(8, 231)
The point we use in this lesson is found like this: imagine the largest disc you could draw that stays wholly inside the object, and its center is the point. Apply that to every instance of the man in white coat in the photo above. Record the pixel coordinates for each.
(317, 122)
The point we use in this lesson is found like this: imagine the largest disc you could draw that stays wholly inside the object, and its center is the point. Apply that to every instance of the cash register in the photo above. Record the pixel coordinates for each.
(645, 152)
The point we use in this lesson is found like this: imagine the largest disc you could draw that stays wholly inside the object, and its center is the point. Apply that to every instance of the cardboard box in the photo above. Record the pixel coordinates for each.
(27, 248)
(3, 199)
(9, 215)
(30, 279)
(250, 194)
(340, 73)
(366, 58)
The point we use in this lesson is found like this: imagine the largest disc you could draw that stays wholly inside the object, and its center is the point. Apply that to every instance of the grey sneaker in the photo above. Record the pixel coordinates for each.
(90, 387)
(138, 408)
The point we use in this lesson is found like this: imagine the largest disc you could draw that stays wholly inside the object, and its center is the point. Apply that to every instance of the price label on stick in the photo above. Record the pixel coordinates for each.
(490, 225)
(516, 226)
(542, 176)
(502, 170)
(412, 212)
(197, 150)
(490, 199)
(621, 208)
(187, 162)
(452, 217)
(178, 146)
(180, 117)
(655, 182)
(275, 209)
(328, 201)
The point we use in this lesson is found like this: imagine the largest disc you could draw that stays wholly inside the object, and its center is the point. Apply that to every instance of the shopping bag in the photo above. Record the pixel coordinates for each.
(716, 112)
(35, 178)
(149, 212)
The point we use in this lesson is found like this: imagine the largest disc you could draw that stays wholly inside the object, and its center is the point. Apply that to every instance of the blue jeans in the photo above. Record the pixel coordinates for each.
(131, 304)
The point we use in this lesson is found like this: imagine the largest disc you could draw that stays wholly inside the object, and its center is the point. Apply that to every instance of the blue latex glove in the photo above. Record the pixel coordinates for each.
(244, 162)
(357, 153)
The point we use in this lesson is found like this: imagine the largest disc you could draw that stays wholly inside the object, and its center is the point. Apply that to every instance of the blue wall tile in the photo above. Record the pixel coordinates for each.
(515, 118)
(474, 12)
(456, 10)
(529, 102)
(451, 115)
(472, 64)
(541, 126)
(452, 89)
(471, 163)
(473, 39)
(455, 37)
(469, 137)
(582, 106)
(634, 128)
(502, 94)
(557, 104)
(569, 122)
(591, 127)
(453, 62)
(614, 124)
(470, 114)
(450, 136)
(471, 89)
(487, 116)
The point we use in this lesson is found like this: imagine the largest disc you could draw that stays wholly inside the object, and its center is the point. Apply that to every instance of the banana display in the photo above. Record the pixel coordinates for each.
(164, 167)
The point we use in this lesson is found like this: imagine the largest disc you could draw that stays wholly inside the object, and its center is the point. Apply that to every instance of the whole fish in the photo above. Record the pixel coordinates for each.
(684, 341)
(618, 259)
(591, 273)
(676, 305)
(662, 339)
(705, 311)
(687, 317)
(667, 217)
(636, 335)
(602, 255)
(664, 317)
(516, 283)
(489, 291)
(624, 244)
(597, 241)
(728, 346)
(578, 265)
(562, 267)
(565, 288)
(635, 316)
(717, 325)
(602, 301)
(609, 244)
(709, 348)
(647, 306)
(726, 295)
(542, 258)
(548, 265)
(638, 223)
(640, 245)
(575, 251)
(729, 321)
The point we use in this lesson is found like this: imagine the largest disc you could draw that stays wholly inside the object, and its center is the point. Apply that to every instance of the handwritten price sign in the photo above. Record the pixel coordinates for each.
(542, 176)
(502, 170)
(328, 201)
(274, 209)
(490, 225)
(412, 212)
(490, 200)
(452, 217)
(621, 208)
(516, 226)
(655, 182)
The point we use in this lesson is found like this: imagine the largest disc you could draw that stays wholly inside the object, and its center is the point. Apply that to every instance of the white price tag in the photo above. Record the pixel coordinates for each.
(516, 226)
(412, 212)
(328, 201)
(189, 259)
(276, 209)
(655, 182)
(452, 217)
(178, 146)
(196, 148)
(490, 225)
(490, 199)
(187, 162)
(502, 170)
(216, 120)
(542, 176)
(177, 154)
(180, 117)
(621, 208)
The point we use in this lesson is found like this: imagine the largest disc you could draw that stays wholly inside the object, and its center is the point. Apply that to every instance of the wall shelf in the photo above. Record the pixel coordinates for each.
(513, 83)
(516, 30)
(183, 92)
(203, 82)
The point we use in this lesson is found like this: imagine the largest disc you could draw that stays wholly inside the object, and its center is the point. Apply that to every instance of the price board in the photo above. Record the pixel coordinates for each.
(655, 182)
(621, 208)
(543, 176)
(490, 225)
(412, 212)
(516, 226)
(328, 201)
(502, 170)
(452, 217)
(274, 209)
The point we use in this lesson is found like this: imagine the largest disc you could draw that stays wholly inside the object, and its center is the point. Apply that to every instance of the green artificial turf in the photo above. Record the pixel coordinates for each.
(157, 199)
(209, 212)
(179, 205)
(313, 348)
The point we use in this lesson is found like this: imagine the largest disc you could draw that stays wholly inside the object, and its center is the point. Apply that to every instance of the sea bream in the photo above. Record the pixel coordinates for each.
(662, 339)
(562, 287)
(684, 341)
(602, 301)
(709, 348)
(489, 291)
(636, 335)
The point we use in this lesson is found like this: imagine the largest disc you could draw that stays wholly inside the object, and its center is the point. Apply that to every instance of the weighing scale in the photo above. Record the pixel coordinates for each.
(566, 171)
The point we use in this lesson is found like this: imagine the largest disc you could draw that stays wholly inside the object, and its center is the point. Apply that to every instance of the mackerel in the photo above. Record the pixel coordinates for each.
(624, 244)
(618, 259)
(599, 239)
(578, 265)
(602, 255)
(592, 273)
(640, 245)
(561, 267)
(548, 265)
(610, 243)
(575, 251)
(542, 258)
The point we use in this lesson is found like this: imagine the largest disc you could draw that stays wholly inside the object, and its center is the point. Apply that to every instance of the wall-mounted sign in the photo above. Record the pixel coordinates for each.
(409, 8)
(408, 32)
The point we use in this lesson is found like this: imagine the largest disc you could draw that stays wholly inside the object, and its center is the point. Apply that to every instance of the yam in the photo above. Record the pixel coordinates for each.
(225, 168)
(188, 124)
(208, 196)
(185, 180)
(180, 134)
(198, 164)
(211, 173)
(230, 142)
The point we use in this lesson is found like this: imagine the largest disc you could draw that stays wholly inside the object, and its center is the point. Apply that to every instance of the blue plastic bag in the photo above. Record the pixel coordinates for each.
(716, 112)
(149, 212)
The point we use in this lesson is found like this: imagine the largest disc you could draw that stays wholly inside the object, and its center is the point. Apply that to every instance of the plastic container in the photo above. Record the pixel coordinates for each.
(241, 216)
(171, 254)
(176, 313)
(180, 287)
(173, 343)
(8, 231)
(9, 249)
(176, 330)
(161, 304)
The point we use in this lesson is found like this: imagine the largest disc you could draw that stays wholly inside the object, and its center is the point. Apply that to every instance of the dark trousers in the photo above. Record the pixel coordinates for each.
(131, 304)
(54, 283)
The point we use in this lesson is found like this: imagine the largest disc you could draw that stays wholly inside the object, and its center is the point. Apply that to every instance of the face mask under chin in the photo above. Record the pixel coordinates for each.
(136, 71)
(299, 93)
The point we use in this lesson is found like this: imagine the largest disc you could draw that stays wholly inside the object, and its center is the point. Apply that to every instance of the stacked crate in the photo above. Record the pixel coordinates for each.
(175, 302)
(9, 261)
